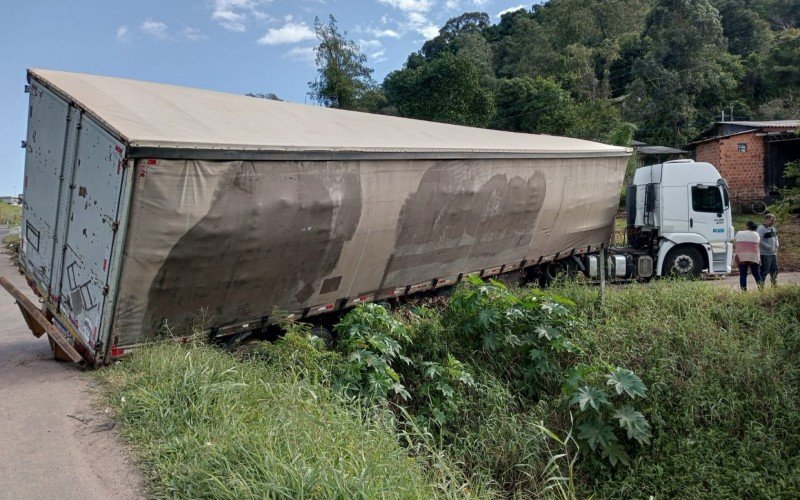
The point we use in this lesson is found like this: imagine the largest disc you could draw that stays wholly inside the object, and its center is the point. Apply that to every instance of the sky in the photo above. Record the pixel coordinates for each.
(236, 46)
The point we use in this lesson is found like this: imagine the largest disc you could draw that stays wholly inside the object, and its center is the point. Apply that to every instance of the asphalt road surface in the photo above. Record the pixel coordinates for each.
(56, 441)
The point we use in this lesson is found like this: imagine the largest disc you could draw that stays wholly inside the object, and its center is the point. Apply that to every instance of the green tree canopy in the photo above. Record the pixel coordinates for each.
(685, 75)
(342, 74)
(445, 89)
(537, 105)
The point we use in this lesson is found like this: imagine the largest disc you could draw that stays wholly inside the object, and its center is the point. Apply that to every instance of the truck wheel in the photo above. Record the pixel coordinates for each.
(683, 262)
(323, 333)
(550, 272)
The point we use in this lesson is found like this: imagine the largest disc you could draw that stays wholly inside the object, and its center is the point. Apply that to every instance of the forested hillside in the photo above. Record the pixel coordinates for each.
(582, 67)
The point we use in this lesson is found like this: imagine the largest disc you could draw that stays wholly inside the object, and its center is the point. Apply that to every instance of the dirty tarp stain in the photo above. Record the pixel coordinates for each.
(272, 232)
(449, 219)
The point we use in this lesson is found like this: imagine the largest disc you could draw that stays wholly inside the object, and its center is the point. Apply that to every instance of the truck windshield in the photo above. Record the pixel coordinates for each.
(706, 199)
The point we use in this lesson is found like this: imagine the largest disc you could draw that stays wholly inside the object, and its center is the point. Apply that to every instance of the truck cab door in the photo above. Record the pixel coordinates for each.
(707, 212)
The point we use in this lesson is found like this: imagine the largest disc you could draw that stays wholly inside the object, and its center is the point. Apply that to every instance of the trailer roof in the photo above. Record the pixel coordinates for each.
(162, 120)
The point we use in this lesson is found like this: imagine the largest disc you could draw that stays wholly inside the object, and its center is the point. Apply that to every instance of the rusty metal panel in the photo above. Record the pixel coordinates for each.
(89, 234)
(242, 238)
(44, 158)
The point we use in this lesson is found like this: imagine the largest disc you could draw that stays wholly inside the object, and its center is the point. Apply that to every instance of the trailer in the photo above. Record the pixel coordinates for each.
(148, 204)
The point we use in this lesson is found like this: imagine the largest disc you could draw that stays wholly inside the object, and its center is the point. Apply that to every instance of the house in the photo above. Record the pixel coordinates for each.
(751, 155)
(12, 200)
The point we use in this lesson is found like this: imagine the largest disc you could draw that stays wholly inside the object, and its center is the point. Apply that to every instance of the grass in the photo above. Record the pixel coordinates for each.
(206, 425)
(10, 215)
(720, 367)
(724, 379)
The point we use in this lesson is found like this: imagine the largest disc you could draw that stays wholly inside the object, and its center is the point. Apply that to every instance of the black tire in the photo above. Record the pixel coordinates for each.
(565, 268)
(323, 333)
(759, 207)
(683, 262)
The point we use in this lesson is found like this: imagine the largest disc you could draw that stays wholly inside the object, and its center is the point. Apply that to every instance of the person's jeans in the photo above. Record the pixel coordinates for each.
(743, 267)
(769, 266)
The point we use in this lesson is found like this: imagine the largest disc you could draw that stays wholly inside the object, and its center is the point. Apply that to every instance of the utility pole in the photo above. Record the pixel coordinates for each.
(602, 274)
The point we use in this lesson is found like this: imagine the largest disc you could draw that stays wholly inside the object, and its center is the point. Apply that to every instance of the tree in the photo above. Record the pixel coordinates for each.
(269, 96)
(446, 89)
(685, 75)
(783, 63)
(537, 105)
(468, 23)
(343, 76)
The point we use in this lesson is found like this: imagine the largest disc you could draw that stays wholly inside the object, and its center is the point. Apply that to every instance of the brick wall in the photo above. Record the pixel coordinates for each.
(743, 170)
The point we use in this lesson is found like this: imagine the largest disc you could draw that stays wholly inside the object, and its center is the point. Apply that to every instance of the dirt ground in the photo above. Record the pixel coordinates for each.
(732, 281)
(56, 441)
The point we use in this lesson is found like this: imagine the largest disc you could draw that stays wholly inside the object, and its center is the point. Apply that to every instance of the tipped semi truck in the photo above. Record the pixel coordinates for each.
(145, 204)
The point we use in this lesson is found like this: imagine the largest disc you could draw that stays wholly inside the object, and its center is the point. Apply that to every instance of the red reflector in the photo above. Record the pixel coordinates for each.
(118, 149)
(117, 351)
(329, 306)
(151, 162)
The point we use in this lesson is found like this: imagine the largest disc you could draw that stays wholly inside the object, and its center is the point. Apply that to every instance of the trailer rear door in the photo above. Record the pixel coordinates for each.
(48, 126)
(89, 233)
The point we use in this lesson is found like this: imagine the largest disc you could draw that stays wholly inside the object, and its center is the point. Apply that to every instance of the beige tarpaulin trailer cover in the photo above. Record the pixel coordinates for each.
(240, 206)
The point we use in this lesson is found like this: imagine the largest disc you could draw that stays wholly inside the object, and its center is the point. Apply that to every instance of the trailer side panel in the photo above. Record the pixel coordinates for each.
(238, 239)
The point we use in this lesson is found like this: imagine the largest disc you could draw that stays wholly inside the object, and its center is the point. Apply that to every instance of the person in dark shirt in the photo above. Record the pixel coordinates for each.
(769, 249)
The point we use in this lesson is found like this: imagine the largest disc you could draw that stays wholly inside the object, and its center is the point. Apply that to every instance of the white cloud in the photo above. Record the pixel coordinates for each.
(368, 45)
(156, 29)
(233, 15)
(511, 9)
(123, 34)
(301, 54)
(387, 33)
(422, 25)
(379, 56)
(451, 4)
(290, 32)
(409, 5)
(193, 34)
(480, 3)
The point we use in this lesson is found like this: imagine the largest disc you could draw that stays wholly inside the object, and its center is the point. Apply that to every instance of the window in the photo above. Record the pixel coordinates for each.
(742, 147)
(706, 199)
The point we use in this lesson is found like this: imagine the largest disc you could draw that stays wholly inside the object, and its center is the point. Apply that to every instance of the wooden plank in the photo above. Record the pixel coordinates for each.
(39, 324)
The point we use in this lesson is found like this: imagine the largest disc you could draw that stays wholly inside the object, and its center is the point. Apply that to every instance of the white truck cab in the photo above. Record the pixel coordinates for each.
(679, 214)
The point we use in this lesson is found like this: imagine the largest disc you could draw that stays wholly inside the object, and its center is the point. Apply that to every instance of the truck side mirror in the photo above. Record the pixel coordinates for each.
(650, 198)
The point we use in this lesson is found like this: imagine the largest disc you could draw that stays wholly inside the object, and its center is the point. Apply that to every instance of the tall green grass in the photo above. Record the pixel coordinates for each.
(723, 370)
(474, 416)
(10, 214)
(206, 425)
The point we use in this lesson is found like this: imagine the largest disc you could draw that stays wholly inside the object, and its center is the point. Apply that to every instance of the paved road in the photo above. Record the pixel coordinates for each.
(55, 440)
(732, 281)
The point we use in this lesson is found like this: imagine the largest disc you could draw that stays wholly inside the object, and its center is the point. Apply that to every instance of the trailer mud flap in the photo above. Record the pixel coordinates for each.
(39, 325)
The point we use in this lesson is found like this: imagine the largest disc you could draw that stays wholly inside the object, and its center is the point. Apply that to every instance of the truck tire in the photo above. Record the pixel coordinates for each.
(323, 333)
(565, 268)
(683, 262)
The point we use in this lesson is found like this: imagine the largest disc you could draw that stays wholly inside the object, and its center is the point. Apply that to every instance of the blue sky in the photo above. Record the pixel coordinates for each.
(236, 46)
